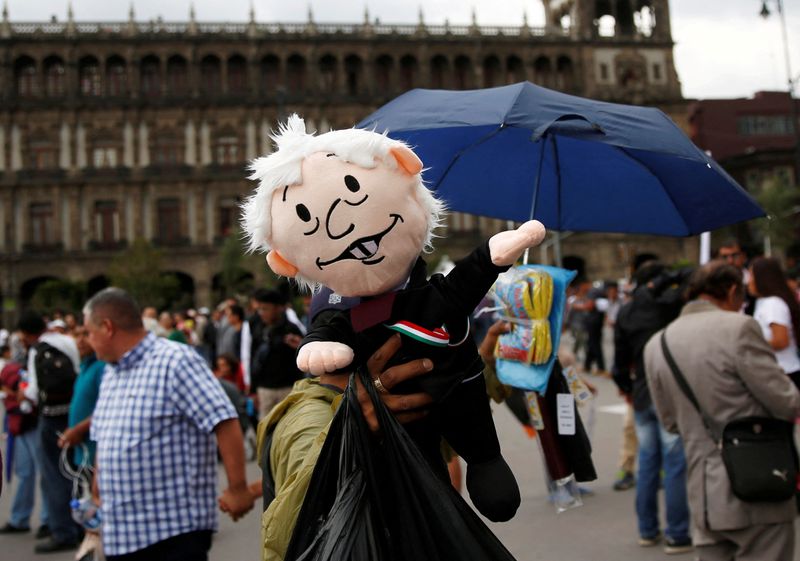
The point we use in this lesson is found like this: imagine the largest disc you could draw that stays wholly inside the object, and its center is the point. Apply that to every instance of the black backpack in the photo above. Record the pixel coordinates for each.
(55, 375)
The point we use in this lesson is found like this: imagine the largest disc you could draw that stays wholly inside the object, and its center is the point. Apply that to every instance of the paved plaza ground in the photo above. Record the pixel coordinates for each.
(603, 529)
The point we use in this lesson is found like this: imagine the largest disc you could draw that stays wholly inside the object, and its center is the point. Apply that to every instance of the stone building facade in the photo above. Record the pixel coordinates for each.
(115, 131)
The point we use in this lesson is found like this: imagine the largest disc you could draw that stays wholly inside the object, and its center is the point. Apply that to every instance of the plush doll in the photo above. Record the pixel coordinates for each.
(346, 214)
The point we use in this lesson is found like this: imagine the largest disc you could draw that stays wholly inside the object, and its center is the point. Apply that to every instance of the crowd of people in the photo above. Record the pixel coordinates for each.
(153, 401)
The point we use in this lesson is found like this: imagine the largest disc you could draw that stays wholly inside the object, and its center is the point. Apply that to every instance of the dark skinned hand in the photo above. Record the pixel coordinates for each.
(405, 407)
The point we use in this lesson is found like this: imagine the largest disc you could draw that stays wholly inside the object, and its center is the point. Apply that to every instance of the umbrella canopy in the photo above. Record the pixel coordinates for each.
(521, 151)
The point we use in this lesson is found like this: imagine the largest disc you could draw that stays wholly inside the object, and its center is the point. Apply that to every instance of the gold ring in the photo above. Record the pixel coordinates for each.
(379, 385)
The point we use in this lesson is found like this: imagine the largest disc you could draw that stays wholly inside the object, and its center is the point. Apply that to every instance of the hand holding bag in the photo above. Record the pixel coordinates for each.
(758, 452)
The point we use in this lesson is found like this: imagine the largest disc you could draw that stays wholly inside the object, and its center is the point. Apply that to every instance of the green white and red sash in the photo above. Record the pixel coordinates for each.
(439, 337)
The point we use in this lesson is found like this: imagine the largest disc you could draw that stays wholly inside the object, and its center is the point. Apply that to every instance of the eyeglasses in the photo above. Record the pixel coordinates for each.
(730, 256)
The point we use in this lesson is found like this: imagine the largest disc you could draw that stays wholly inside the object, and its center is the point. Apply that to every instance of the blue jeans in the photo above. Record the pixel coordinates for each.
(56, 489)
(25, 463)
(659, 450)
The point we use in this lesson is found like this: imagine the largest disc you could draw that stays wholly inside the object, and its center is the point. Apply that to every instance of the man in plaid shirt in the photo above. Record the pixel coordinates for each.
(155, 420)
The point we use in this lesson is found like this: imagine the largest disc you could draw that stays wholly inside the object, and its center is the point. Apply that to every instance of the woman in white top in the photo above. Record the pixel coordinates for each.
(777, 312)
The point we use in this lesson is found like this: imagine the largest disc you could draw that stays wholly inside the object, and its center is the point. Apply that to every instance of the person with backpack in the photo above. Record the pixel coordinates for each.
(53, 364)
(656, 301)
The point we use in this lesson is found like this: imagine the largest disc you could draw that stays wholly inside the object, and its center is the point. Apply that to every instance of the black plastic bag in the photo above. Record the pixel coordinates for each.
(376, 499)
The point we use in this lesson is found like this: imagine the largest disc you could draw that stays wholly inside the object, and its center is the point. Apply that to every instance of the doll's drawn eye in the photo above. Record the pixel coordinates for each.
(352, 183)
(303, 213)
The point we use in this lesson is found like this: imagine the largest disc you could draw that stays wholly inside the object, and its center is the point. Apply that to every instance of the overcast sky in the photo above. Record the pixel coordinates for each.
(723, 48)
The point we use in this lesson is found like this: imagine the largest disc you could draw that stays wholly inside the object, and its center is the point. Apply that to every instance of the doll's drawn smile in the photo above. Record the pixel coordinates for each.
(364, 249)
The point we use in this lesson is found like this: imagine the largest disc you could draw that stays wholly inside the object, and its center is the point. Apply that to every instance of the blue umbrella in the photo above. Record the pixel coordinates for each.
(521, 151)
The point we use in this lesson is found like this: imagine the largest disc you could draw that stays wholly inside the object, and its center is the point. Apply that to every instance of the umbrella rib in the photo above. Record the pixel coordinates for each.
(666, 191)
(557, 167)
(461, 152)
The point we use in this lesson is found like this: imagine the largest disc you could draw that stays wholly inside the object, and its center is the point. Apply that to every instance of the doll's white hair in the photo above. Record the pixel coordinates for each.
(284, 167)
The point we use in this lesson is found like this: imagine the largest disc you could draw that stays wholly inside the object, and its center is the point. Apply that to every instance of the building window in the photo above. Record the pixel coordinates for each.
(226, 151)
(25, 74)
(657, 72)
(491, 71)
(327, 73)
(353, 70)
(106, 222)
(765, 125)
(270, 74)
(42, 155)
(104, 157)
(296, 74)
(463, 73)
(168, 214)
(228, 216)
(237, 75)
(515, 70)
(41, 220)
(167, 151)
(116, 77)
(89, 72)
(177, 76)
(408, 73)
(603, 72)
(210, 75)
(54, 77)
(438, 71)
(151, 79)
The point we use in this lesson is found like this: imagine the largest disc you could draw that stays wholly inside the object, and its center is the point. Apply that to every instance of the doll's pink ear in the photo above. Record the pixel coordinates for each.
(406, 159)
(280, 265)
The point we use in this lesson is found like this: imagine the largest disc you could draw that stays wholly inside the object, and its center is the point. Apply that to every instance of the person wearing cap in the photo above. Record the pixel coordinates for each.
(57, 326)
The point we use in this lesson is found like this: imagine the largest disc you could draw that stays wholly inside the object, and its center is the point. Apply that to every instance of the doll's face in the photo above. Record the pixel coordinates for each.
(357, 231)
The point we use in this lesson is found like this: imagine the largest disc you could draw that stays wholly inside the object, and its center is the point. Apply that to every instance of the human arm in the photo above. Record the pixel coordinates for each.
(780, 336)
(486, 349)
(199, 397)
(405, 407)
(237, 499)
(245, 347)
(75, 435)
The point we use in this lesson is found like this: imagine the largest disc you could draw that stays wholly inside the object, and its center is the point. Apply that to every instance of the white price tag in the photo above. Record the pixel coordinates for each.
(565, 404)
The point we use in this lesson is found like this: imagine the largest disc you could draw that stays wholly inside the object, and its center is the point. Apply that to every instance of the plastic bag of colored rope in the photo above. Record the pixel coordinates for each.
(532, 299)
(377, 499)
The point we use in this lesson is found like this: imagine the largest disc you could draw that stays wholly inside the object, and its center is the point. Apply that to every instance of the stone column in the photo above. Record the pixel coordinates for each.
(66, 223)
(209, 216)
(128, 159)
(250, 133)
(144, 145)
(191, 215)
(16, 148)
(2, 150)
(21, 222)
(80, 146)
(205, 144)
(190, 156)
(65, 147)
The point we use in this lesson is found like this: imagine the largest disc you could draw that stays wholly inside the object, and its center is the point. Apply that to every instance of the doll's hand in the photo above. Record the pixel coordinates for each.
(321, 357)
(506, 247)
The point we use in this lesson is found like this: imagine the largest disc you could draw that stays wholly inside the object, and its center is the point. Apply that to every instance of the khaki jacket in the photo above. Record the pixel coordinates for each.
(733, 373)
(299, 425)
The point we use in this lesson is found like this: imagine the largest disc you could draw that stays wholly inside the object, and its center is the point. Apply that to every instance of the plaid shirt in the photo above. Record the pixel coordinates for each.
(156, 451)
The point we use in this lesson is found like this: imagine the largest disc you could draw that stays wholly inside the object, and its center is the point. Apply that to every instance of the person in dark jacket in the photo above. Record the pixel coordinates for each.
(656, 301)
(275, 342)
